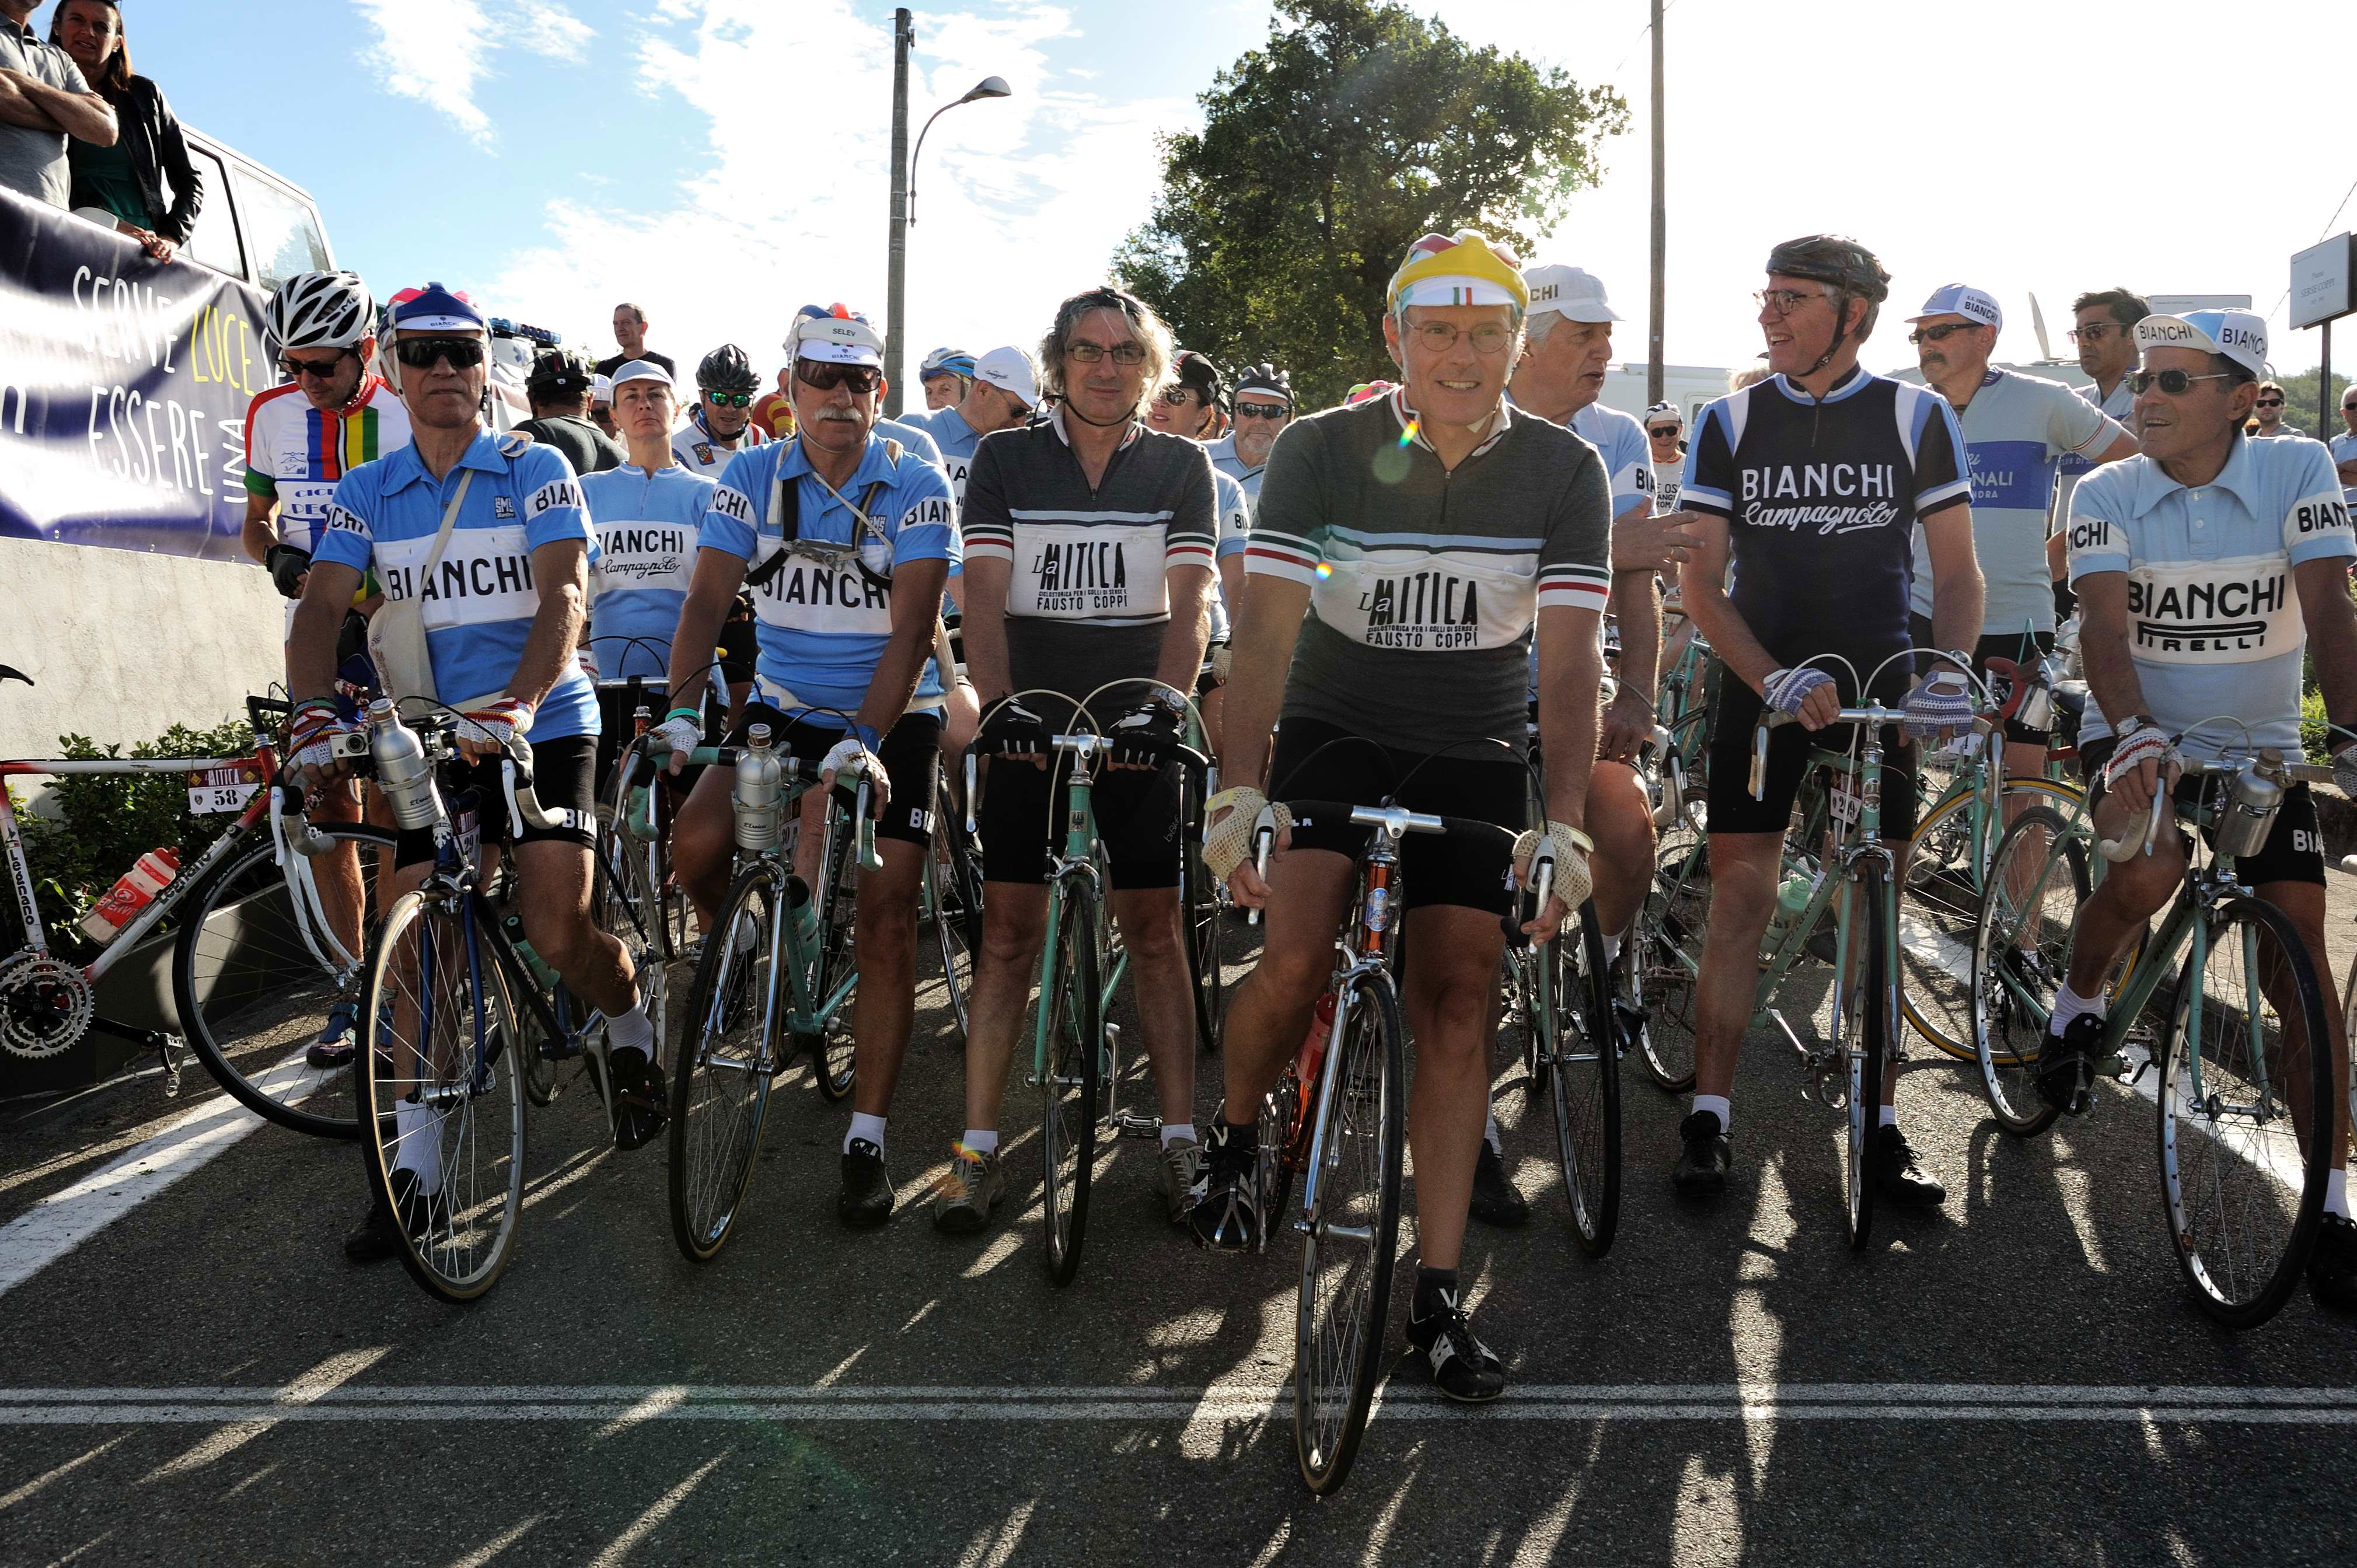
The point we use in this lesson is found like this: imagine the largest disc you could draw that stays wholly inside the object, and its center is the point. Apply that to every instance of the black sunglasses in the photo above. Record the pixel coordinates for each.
(419, 353)
(318, 370)
(1940, 333)
(2268, 403)
(824, 377)
(2173, 383)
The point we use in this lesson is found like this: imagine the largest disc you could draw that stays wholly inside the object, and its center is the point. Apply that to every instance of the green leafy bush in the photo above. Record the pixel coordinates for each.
(102, 824)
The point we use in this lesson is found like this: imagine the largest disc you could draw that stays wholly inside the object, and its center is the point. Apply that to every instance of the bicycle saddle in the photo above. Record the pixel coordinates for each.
(10, 672)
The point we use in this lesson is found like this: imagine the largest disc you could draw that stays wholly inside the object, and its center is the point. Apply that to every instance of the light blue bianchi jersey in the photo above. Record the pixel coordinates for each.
(646, 525)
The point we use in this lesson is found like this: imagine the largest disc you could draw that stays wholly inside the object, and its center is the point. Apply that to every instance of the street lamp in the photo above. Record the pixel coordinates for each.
(989, 87)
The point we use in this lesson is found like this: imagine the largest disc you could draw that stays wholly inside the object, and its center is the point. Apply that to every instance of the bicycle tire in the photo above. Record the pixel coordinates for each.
(727, 1060)
(435, 981)
(1340, 1312)
(1862, 1026)
(1072, 1018)
(835, 1058)
(1202, 915)
(1666, 943)
(239, 948)
(2013, 986)
(1585, 1081)
(1939, 904)
(2243, 1283)
(953, 899)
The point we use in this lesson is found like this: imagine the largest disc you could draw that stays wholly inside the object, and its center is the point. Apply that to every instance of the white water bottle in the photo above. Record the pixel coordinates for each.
(133, 892)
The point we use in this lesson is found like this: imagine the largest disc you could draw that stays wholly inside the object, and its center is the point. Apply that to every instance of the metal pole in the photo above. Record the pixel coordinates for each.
(2324, 399)
(1661, 229)
(904, 37)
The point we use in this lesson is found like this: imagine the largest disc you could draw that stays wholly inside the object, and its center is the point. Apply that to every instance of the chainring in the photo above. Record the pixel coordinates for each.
(45, 1005)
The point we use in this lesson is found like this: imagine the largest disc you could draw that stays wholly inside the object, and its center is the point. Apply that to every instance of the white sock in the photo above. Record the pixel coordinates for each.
(633, 1030)
(2070, 1005)
(1177, 1133)
(980, 1140)
(419, 1134)
(863, 1125)
(1490, 1135)
(2336, 1193)
(1889, 1116)
(1718, 1106)
(1611, 951)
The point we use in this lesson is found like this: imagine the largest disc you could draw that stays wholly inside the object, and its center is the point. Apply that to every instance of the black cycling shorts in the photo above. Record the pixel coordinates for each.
(1022, 821)
(1736, 711)
(1467, 874)
(2294, 848)
(2021, 646)
(910, 752)
(563, 782)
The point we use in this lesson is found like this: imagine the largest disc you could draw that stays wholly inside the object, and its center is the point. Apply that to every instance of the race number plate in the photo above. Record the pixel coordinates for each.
(216, 789)
(1847, 801)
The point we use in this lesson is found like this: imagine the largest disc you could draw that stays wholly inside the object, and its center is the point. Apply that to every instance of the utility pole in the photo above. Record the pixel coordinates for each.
(904, 39)
(1661, 229)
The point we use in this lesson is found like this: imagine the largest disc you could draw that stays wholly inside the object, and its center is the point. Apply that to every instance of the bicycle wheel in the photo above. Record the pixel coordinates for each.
(252, 991)
(1353, 1236)
(2242, 1165)
(442, 1093)
(1073, 1021)
(2022, 949)
(1578, 1032)
(1664, 947)
(834, 1061)
(954, 904)
(720, 1088)
(1940, 901)
(1863, 1016)
(1202, 896)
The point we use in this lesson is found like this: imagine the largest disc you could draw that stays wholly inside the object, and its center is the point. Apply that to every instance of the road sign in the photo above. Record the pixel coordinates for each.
(2321, 280)
(2179, 304)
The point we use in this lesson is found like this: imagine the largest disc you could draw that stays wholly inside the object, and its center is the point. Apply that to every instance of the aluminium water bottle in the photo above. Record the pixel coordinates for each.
(402, 773)
(758, 787)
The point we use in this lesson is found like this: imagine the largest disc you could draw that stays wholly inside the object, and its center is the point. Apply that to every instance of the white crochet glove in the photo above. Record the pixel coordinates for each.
(1573, 882)
(1230, 818)
(851, 753)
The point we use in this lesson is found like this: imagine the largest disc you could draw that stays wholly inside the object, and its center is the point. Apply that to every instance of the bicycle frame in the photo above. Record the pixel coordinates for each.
(1077, 859)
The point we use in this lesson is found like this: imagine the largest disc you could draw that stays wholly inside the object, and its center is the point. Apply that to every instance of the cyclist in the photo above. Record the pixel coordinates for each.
(1406, 551)
(947, 374)
(2016, 430)
(2103, 330)
(2206, 568)
(845, 675)
(1263, 403)
(1089, 543)
(721, 424)
(1001, 391)
(647, 513)
(1665, 449)
(601, 405)
(501, 622)
(1809, 481)
(559, 389)
(1190, 406)
(301, 438)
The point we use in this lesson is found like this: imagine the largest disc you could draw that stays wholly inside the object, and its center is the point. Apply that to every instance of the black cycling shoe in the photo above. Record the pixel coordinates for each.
(1897, 1176)
(2332, 1265)
(1224, 1211)
(1702, 1161)
(2066, 1065)
(866, 1198)
(373, 1240)
(1462, 1368)
(335, 1045)
(641, 1105)
(1495, 1201)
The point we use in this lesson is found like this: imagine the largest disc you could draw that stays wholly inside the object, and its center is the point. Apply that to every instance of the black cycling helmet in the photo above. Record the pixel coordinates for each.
(558, 373)
(727, 370)
(1268, 379)
(1198, 375)
(1845, 267)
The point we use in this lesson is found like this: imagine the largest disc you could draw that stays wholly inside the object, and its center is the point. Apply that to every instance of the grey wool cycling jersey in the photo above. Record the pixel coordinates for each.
(1426, 583)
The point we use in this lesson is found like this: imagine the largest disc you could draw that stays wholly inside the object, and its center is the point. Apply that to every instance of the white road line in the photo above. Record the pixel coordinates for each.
(72, 1215)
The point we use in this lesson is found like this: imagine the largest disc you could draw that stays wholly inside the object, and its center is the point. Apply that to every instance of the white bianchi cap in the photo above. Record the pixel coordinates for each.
(2240, 335)
(601, 389)
(1962, 299)
(636, 371)
(1011, 371)
(1571, 292)
(835, 335)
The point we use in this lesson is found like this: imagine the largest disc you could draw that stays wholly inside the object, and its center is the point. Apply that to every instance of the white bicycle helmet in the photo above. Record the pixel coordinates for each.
(321, 310)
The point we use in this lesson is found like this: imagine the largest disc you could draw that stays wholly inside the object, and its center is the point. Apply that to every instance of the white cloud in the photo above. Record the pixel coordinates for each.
(413, 55)
(1022, 200)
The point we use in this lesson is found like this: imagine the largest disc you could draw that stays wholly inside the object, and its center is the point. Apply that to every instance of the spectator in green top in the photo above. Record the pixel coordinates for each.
(128, 180)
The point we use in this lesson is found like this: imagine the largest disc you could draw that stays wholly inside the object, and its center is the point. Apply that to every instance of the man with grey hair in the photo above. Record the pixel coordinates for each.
(43, 103)
(630, 332)
(1088, 542)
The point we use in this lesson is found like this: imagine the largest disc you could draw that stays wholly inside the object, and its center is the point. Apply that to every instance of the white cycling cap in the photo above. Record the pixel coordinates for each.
(636, 371)
(1011, 371)
(2240, 335)
(1962, 299)
(1571, 293)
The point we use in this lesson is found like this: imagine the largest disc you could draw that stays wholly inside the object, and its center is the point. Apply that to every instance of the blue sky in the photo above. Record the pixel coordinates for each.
(725, 160)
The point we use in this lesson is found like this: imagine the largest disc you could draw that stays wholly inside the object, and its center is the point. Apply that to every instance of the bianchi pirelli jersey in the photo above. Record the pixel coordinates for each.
(702, 456)
(2215, 622)
(1425, 582)
(296, 455)
(647, 528)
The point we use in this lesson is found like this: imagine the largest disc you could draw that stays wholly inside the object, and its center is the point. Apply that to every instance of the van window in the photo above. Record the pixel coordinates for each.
(285, 236)
(215, 239)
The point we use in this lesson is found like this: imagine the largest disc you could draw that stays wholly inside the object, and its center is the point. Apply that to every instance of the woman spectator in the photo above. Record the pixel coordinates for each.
(127, 180)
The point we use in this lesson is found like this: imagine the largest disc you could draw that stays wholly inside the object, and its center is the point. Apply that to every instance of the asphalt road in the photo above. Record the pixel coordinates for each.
(2019, 1376)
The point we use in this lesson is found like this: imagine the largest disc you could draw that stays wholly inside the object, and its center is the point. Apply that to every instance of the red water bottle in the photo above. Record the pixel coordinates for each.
(135, 890)
(1312, 1055)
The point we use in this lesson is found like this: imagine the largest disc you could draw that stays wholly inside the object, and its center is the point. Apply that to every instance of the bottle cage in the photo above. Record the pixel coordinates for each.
(785, 509)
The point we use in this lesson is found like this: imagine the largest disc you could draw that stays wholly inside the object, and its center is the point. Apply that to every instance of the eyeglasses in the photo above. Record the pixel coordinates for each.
(1783, 301)
(419, 353)
(2173, 383)
(1940, 333)
(1178, 397)
(824, 377)
(2094, 334)
(1439, 337)
(2268, 403)
(318, 370)
(1085, 353)
(1663, 432)
(1262, 410)
(729, 400)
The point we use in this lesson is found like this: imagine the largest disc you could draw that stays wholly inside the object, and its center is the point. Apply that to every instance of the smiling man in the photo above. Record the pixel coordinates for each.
(1263, 403)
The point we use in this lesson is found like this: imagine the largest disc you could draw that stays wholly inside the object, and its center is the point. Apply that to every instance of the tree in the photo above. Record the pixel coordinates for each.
(1323, 156)
(2299, 403)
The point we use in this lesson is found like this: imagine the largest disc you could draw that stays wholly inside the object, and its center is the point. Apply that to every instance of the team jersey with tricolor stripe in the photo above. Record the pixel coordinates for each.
(1426, 583)
(296, 455)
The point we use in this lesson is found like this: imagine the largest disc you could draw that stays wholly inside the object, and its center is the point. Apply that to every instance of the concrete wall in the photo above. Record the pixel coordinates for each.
(124, 645)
